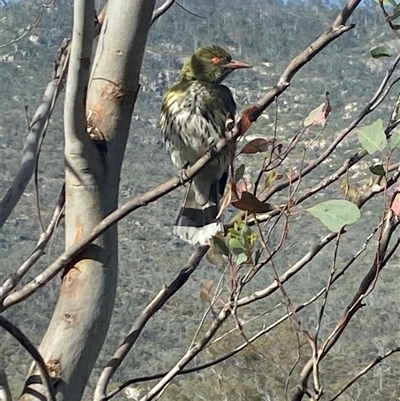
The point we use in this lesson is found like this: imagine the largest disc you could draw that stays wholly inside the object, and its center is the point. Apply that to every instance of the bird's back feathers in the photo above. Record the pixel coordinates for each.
(193, 119)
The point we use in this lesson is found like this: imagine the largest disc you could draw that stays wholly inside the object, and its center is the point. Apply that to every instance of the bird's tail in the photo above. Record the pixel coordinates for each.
(196, 222)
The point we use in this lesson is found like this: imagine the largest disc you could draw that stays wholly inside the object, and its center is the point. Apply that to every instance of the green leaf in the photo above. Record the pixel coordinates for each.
(377, 169)
(233, 232)
(236, 244)
(373, 137)
(239, 172)
(381, 51)
(395, 15)
(394, 140)
(242, 257)
(334, 214)
(220, 246)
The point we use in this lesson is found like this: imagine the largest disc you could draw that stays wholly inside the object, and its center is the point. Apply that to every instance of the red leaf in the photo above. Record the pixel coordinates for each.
(251, 204)
(319, 115)
(257, 145)
(245, 121)
(243, 186)
(396, 204)
(209, 285)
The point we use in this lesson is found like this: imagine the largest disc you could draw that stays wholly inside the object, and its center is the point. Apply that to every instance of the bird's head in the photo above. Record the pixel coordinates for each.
(210, 64)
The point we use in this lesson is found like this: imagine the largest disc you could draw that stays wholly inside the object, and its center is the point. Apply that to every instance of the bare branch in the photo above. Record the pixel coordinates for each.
(390, 224)
(375, 362)
(194, 14)
(157, 13)
(191, 353)
(290, 272)
(337, 29)
(5, 392)
(29, 27)
(38, 127)
(222, 358)
(39, 250)
(160, 299)
(33, 352)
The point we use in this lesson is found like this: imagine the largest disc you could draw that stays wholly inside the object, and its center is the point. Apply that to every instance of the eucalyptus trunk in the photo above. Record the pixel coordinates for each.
(97, 118)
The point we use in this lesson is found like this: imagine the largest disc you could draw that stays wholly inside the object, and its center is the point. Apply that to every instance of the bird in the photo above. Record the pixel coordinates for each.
(194, 113)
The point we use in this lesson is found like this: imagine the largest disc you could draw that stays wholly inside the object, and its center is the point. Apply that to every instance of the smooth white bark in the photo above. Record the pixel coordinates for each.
(93, 158)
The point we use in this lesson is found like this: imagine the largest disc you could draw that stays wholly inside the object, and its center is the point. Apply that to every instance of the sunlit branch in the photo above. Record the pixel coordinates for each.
(158, 12)
(159, 300)
(222, 358)
(38, 127)
(38, 252)
(376, 99)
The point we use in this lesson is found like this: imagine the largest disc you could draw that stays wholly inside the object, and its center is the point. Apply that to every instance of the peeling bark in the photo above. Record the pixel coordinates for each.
(97, 124)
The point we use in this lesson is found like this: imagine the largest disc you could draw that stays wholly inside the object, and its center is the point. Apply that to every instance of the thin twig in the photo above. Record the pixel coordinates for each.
(33, 352)
(5, 392)
(158, 12)
(194, 14)
(220, 359)
(30, 26)
(364, 371)
(160, 299)
(390, 224)
(38, 126)
(39, 250)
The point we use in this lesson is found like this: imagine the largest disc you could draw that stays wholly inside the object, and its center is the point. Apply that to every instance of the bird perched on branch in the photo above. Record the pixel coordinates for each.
(193, 119)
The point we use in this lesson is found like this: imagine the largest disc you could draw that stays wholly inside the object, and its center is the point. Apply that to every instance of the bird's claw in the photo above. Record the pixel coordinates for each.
(183, 178)
(213, 150)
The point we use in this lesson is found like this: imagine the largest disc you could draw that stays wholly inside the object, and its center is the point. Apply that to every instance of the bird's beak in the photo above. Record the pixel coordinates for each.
(235, 64)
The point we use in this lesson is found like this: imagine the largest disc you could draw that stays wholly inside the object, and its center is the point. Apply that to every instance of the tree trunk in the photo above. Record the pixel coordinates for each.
(82, 315)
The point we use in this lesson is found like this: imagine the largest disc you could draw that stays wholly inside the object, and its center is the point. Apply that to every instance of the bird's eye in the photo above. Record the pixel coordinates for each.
(216, 60)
